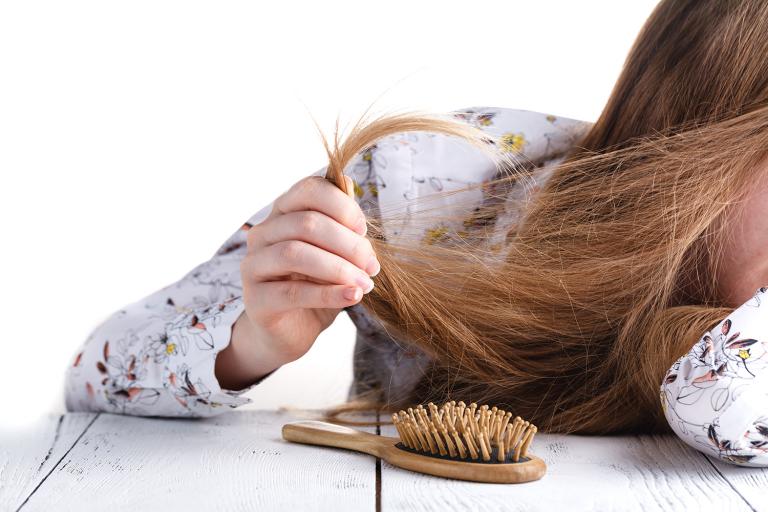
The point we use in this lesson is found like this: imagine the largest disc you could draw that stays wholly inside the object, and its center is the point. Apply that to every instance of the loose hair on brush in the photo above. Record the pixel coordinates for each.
(611, 273)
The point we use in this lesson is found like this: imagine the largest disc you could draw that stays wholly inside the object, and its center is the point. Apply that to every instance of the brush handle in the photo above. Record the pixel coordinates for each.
(327, 434)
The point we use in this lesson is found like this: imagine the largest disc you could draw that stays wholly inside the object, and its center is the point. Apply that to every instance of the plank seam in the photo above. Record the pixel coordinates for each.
(53, 444)
(728, 481)
(58, 462)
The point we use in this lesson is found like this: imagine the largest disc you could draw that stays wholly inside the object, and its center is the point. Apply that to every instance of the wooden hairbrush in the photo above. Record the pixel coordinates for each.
(452, 441)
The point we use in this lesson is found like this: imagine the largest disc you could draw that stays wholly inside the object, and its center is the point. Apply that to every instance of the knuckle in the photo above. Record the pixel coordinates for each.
(244, 265)
(309, 222)
(307, 185)
(290, 251)
(252, 236)
(248, 276)
(291, 292)
(278, 204)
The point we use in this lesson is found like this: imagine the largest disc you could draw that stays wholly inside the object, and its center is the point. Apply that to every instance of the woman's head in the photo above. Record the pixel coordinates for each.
(631, 250)
(695, 62)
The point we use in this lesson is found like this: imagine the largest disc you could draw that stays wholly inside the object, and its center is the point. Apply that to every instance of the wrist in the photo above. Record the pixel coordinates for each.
(246, 359)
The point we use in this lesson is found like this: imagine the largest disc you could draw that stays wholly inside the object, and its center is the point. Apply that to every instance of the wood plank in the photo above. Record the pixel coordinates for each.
(26, 458)
(750, 483)
(235, 461)
(583, 473)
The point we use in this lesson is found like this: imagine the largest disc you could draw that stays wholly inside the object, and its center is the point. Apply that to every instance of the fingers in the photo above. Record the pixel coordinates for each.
(282, 258)
(277, 296)
(319, 194)
(320, 230)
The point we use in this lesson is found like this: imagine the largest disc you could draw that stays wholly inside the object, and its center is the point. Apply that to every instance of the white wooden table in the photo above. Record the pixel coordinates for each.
(238, 461)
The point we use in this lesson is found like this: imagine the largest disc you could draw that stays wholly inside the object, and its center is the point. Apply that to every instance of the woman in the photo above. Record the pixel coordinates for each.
(604, 261)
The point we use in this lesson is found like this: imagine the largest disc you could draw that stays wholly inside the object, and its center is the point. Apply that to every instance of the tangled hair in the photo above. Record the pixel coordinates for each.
(612, 272)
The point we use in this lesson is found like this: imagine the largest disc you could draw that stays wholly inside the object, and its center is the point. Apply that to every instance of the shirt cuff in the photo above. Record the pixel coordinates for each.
(194, 340)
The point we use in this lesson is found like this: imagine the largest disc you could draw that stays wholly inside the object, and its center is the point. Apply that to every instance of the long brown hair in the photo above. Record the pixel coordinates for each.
(611, 274)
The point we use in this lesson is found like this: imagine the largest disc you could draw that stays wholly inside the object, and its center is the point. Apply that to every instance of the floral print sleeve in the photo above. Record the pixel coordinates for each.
(155, 357)
(715, 397)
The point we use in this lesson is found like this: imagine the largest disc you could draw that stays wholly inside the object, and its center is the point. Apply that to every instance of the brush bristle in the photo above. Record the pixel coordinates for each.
(464, 432)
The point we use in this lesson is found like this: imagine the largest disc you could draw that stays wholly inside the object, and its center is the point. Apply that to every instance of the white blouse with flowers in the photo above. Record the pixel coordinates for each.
(155, 357)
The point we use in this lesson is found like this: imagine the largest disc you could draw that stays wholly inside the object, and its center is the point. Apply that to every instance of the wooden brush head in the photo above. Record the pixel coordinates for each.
(460, 432)
(452, 441)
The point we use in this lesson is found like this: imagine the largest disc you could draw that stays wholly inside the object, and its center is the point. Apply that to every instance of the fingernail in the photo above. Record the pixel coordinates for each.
(350, 186)
(362, 226)
(373, 266)
(365, 282)
(352, 293)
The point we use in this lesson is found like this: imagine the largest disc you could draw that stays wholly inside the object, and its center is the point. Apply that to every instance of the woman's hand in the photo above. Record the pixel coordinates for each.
(305, 262)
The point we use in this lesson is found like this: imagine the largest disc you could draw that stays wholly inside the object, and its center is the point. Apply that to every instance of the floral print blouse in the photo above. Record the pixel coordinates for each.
(155, 357)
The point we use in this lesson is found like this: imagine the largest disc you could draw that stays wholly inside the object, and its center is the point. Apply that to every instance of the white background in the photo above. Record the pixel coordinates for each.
(136, 136)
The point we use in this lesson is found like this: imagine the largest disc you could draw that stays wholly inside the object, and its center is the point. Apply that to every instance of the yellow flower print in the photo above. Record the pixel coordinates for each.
(741, 346)
(434, 234)
(485, 119)
(170, 349)
(512, 141)
(551, 118)
(367, 156)
(358, 189)
(373, 189)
